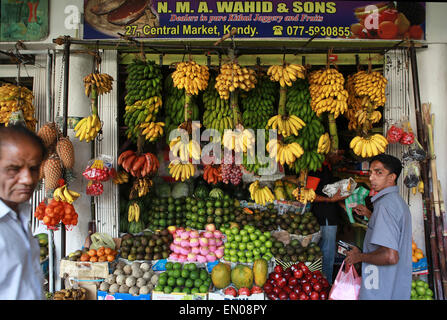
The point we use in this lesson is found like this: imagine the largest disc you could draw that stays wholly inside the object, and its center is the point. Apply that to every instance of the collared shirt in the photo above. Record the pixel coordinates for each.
(21, 276)
(389, 226)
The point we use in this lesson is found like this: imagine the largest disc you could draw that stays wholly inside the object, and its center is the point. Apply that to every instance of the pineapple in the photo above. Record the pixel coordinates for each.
(52, 172)
(65, 151)
(48, 132)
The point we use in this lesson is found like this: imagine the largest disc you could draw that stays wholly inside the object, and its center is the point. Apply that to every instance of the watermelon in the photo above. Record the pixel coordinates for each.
(201, 191)
(216, 193)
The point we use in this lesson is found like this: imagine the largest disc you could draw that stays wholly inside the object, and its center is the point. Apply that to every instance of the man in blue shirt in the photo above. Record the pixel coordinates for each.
(386, 257)
(21, 154)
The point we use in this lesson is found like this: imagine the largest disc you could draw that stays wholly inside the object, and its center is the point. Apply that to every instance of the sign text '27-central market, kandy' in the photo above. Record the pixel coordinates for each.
(247, 7)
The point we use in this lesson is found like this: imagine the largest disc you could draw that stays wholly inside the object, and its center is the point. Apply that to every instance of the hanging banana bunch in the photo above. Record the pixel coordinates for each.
(101, 81)
(304, 195)
(65, 194)
(231, 77)
(368, 146)
(324, 144)
(261, 195)
(140, 187)
(284, 153)
(185, 151)
(181, 171)
(286, 73)
(190, 76)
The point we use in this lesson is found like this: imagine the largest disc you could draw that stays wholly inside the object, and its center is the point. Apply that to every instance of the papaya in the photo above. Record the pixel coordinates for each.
(242, 276)
(260, 271)
(221, 275)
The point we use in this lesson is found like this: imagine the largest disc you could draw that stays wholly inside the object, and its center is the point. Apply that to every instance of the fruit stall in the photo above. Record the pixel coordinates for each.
(200, 180)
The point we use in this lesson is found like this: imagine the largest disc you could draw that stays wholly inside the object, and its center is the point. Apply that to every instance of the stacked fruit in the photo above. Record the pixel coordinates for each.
(261, 195)
(284, 152)
(259, 104)
(218, 114)
(294, 251)
(212, 174)
(246, 244)
(183, 278)
(286, 73)
(197, 246)
(420, 290)
(296, 283)
(141, 116)
(148, 246)
(138, 165)
(97, 83)
(55, 212)
(14, 99)
(231, 77)
(417, 253)
(167, 211)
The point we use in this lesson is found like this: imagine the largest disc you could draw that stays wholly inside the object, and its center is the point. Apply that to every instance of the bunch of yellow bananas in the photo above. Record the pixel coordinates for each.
(182, 171)
(286, 73)
(324, 144)
(371, 84)
(152, 130)
(65, 194)
(327, 92)
(239, 140)
(101, 81)
(140, 188)
(370, 146)
(87, 129)
(191, 76)
(121, 177)
(362, 116)
(261, 195)
(304, 195)
(133, 212)
(355, 104)
(284, 153)
(13, 99)
(233, 76)
(286, 125)
(185, 150)
(142, 111)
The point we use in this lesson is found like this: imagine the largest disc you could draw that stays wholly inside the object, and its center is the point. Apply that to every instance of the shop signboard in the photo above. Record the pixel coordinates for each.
(277, 19)
(23, 20)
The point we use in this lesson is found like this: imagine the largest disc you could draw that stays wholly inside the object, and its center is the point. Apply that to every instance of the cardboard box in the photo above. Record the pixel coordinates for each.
(178, 296)
(102, 295)
(83, 270)
(90, 284)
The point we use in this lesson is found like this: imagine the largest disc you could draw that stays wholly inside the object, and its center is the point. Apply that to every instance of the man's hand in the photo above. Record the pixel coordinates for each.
(353, 256)
(338, 197)
(362, 210)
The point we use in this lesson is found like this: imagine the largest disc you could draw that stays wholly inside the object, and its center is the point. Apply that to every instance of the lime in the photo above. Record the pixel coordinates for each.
(177, 289)
(158, 288)
(170, 273)
(162, 281)
(203, 274)
(186, 290)
(176, 273)
(198, 282)
(180, 282)
(194, 275)
(171, 281)
(203, 289)
(189, 283)
(169, 265)
(191, 266)
(167, 289)
(185, 273)
(195, 290)
(177, 266)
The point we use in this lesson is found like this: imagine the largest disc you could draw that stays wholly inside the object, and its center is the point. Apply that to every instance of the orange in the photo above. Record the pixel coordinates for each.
(110, 258)
(94, 259)
(108, 251)
(85, 257)
(92, 252)
(102, 259)
(100, 252)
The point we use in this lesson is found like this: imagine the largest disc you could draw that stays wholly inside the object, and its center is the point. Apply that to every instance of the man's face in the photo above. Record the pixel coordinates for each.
(380, 177)
(19, 170)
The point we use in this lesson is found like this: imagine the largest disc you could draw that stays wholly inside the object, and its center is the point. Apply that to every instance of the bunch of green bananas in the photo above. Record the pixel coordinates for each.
(144, 81)
(175, 106)
(218, 113)
(259, 103)
(298, 100)
(253, 167)
(309, 135)
(142, 111)
(310, 160)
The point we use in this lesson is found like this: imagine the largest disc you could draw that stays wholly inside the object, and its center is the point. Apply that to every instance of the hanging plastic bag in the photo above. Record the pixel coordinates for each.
(394, 133)
(99, 169)
(347, 285)
(407, 137)
(358, 197)
(102, 240)
(415, 152)
(411, 174)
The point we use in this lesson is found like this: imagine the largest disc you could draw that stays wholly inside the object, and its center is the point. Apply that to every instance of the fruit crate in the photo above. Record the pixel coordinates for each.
(315, 265)
(178, 296)
(103, 295)
(220, 295)
(305, 240)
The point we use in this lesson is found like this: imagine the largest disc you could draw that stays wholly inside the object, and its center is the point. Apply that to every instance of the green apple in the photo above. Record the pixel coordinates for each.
(245, 238)
(267, 234)
(263, 249)
(235, 230)
(242, 246)
(248, 254)
(243, 232)
(233, 252)
(230, 238)
(233, 258)
(268, 244)
(242, 259)
(234, 245)
(253, 236)
(250, 246)
(257, 243)
(241, 254)
(238, 238)
(262, 238)
(256, 251)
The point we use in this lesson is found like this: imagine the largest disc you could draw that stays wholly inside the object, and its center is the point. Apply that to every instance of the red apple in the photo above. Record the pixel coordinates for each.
(323, 295)
(276, 290)
(298, 273)
(281, 282)
(303, 296)
(244, 291)
(317, 287)
(304, 268)
(293, 281)
(293, 296)
(272, 296)
(278, 269)
(297, 289)
(324, 282)
(307, 288)
(268, 288)
(256, 289)
(287, 275)
(230, 291)
(283, 295)
(287, 289)
(277, 276)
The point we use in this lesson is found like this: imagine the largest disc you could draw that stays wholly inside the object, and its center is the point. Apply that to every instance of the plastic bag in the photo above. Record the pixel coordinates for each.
(346, 187)
(94, 188)
(415, 152)
(99, 169)
(407, 137)
(411, 174)
(347, 285)
(102, 240)
(394, 133)
(358, 197)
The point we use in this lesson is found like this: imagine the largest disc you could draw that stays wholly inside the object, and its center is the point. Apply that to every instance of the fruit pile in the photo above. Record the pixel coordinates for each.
(138, 165)
(71, 294)
(197, 246)
(420, 290)
(296, 283)
(166, 211)
(185, 278)
(246, 244)
(102, 254)
(135, 278)
(294, 223)
(263, 220)
(149, 246)
(295, 252)
(55, 212)
(258, 105)
(416, 253)
(231, 77)
(14, 99)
